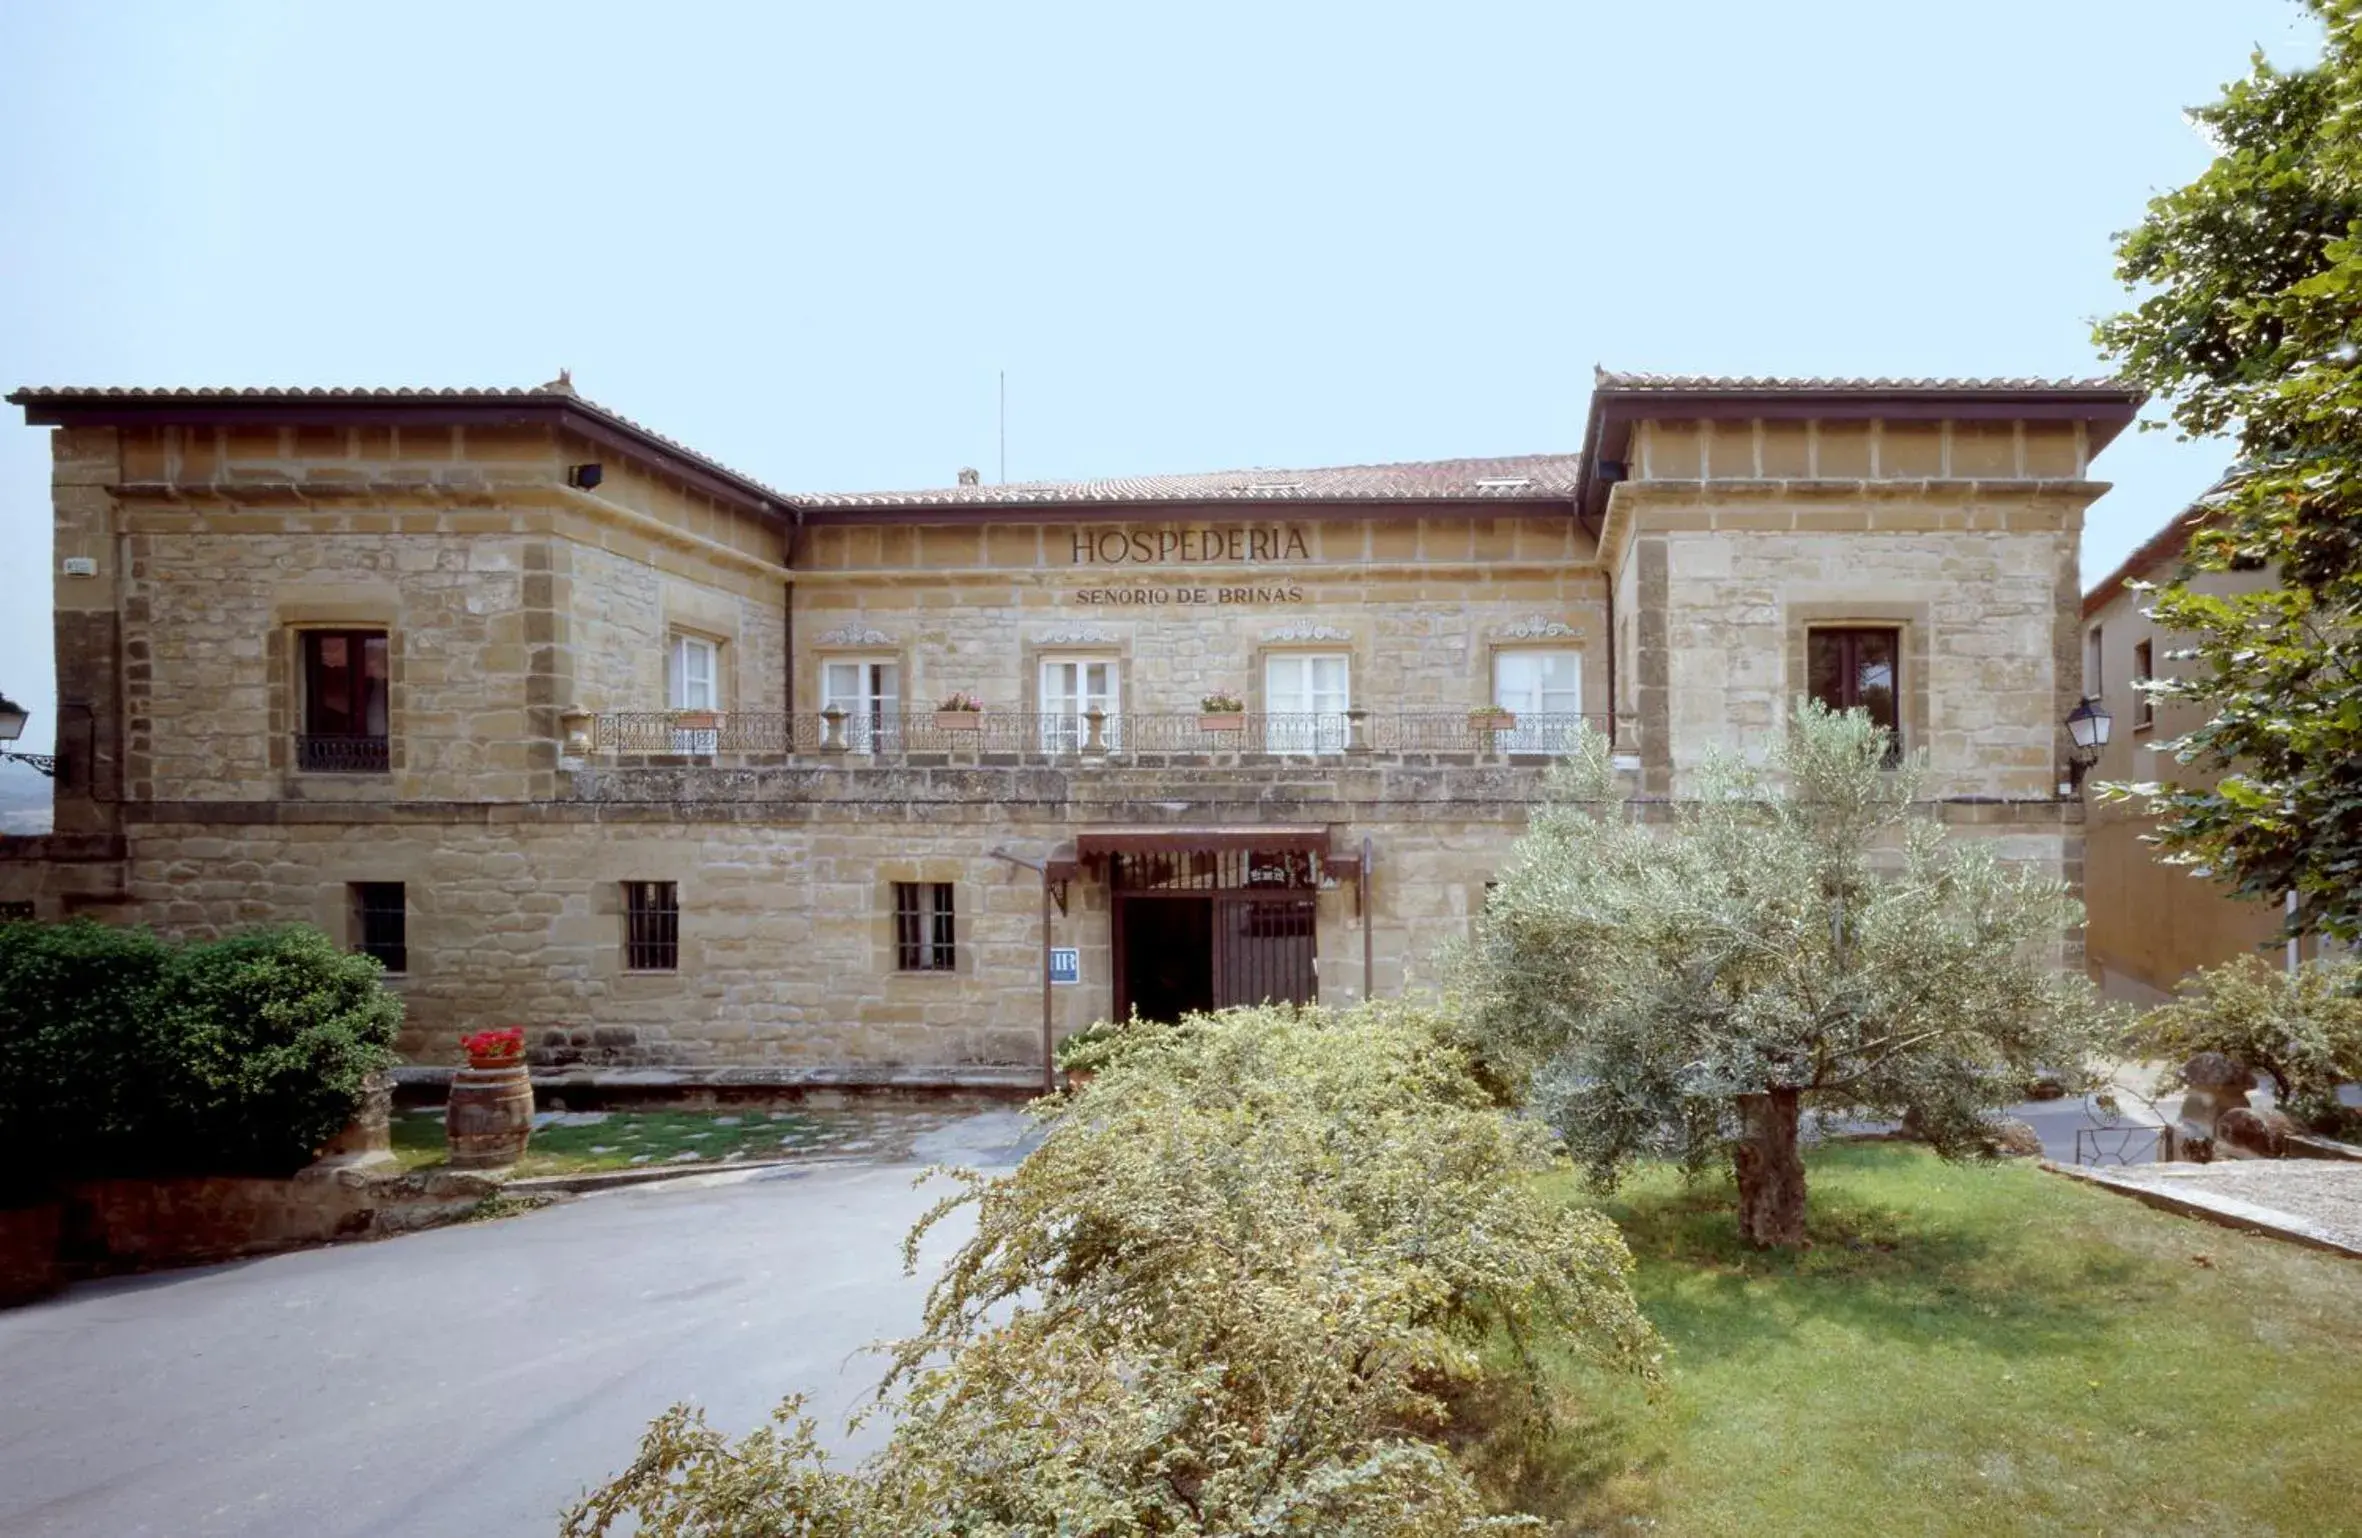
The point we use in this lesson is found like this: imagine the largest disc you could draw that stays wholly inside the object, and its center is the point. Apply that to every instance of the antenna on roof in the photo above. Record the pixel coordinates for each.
(1004, 427)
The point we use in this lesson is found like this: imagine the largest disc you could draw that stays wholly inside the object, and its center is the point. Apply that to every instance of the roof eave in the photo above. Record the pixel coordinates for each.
(1079, 510)
(1607, 430)
(584, 419)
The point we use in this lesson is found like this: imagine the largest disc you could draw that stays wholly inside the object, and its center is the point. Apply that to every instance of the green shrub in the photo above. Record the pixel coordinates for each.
(1237, 1289)
(121, 1054)
(2301, 1029)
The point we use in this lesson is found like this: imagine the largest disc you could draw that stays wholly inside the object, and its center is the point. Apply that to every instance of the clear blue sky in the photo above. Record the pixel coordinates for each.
(806, 238)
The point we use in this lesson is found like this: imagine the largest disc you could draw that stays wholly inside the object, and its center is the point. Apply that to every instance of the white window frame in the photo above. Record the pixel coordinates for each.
(1306, 719)
(1546, 716)
(1063, 729)
(873, 710)
(685, 689)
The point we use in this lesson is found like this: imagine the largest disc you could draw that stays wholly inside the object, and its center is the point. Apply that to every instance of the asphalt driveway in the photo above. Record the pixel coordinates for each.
(471, 1380)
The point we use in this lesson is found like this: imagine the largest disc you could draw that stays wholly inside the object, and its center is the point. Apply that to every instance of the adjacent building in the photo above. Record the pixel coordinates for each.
(2151, 923)
(575, 727)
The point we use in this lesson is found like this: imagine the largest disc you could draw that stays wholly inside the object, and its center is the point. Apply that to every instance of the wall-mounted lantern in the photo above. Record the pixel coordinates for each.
(12, 726)
(2088, 725)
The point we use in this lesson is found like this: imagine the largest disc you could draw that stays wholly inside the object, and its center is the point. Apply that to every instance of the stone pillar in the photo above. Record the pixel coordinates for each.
(1094, 733)
(1357, 731)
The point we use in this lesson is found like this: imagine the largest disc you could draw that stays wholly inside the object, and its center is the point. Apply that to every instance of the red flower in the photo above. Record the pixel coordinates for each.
(507, 1041)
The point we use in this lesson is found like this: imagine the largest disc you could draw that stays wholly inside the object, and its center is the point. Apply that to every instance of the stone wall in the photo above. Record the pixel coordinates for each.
(786, 882)
(99, 1227)
(1730, 580)
(64, 875)
(1419, 605)
(625, 608)
(179, 660)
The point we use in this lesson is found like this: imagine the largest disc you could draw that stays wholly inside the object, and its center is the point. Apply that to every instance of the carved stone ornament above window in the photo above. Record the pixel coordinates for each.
(1536, 627)
(1086, 636)
(1305, 630)
(855, 635)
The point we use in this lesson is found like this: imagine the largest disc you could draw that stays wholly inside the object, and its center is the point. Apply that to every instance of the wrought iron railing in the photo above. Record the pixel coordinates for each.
(1056, 735)
(342, 754)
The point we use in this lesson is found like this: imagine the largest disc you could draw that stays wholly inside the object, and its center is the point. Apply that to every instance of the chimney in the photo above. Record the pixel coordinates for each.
(969, 477)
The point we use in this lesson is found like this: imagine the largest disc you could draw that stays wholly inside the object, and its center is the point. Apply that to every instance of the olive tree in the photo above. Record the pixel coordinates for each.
(1798, 936)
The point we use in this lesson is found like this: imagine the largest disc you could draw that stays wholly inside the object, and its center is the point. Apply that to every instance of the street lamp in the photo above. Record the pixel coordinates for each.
(12, 726)
(2087, 725)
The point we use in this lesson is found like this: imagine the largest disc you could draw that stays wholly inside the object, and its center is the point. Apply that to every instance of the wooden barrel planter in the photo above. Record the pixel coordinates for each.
(489, 1116)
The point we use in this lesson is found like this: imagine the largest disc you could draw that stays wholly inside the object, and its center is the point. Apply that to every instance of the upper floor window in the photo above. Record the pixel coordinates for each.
(694, 684)
(1305, 696)
(1072, 687)
(870, 695)
(2144, 668)
(2095, 673)
(345, 702)
(1860, 668)
(1544, 688)
(381, 923)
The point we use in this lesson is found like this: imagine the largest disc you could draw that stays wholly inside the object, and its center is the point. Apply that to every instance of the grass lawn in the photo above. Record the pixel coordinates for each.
(1971, 1350)
(638, 1139)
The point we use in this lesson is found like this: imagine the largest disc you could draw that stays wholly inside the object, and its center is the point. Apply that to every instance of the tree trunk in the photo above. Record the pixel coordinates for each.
(1770, 1170)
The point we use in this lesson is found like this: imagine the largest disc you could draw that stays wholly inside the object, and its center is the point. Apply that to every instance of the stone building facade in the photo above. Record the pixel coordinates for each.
(578, 728)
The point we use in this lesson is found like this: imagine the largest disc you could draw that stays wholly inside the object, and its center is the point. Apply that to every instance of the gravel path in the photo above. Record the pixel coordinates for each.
(2324, 1193)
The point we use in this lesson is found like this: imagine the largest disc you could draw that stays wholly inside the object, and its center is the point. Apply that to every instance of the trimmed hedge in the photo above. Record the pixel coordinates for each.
(122, 1054)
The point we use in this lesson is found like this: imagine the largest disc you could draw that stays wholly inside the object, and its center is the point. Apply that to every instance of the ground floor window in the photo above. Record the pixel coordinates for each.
(381, 923)
(651, 926)
(1860, 668)
(1072, 687)
(870, 696)
(1305, 697)
(925, 937)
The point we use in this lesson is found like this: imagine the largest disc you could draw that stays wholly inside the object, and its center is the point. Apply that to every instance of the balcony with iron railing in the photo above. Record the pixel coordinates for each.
(741, 737)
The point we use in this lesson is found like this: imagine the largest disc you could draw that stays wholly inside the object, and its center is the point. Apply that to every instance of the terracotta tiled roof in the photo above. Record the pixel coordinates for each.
(1673, 384)
(1517, 478)
(559, 393)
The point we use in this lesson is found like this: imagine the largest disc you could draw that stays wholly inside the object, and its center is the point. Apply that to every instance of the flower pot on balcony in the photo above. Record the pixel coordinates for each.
(696, 720)
(1222, 721)
(1493, 720)
(959, 720)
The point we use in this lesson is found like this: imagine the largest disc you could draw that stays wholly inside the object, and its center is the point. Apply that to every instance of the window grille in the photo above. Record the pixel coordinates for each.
(923, 926)
(651, 926)
(381, 923)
